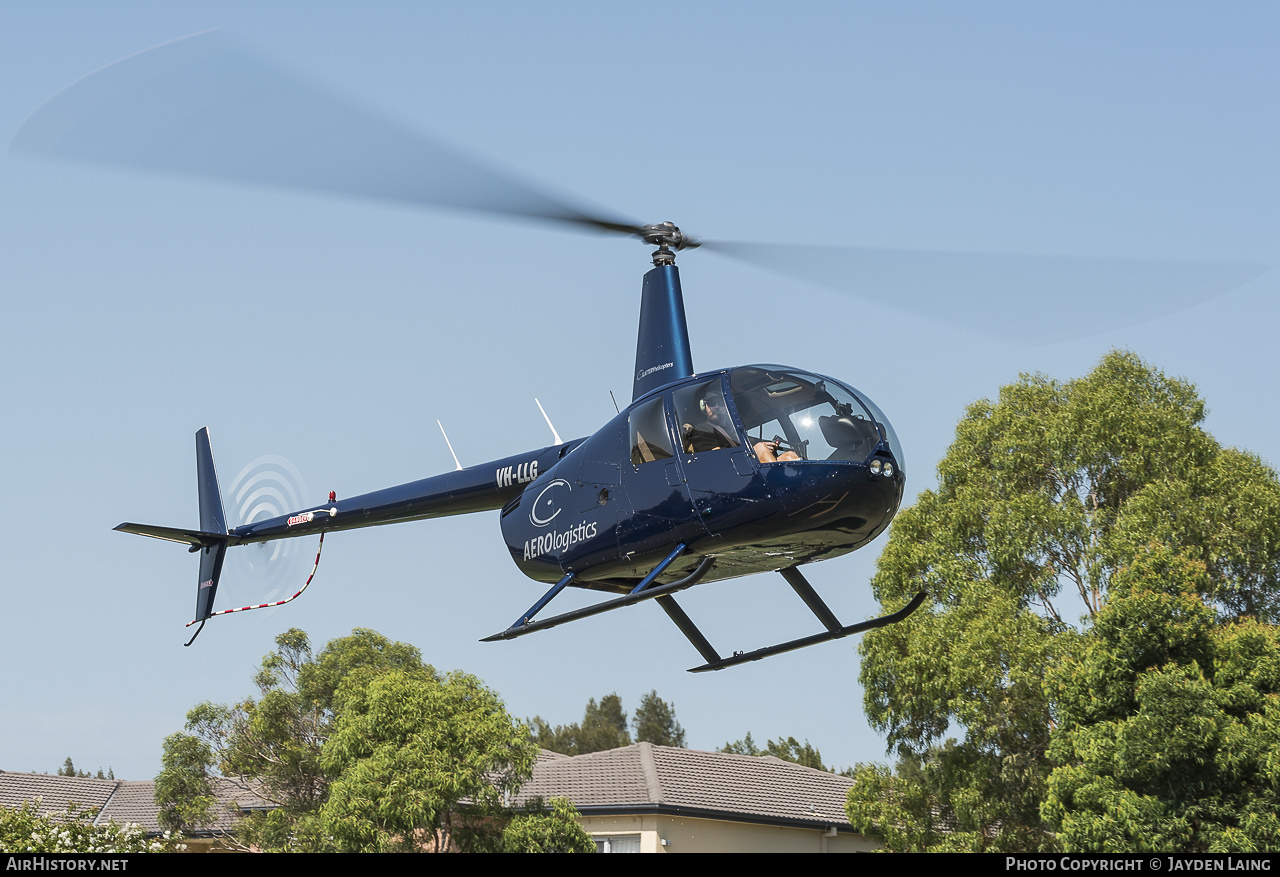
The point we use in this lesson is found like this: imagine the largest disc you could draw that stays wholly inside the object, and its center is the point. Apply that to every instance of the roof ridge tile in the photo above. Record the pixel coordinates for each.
(652, 780)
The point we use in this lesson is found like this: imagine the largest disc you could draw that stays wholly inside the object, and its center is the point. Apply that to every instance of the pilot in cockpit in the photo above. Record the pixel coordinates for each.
(716, 431)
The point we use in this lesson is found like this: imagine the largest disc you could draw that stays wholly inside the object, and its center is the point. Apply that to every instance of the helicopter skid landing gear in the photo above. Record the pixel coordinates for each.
(662, 594)
(643, 591)
(819, 608)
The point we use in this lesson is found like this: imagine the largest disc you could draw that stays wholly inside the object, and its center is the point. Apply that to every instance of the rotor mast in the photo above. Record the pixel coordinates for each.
(663, 354)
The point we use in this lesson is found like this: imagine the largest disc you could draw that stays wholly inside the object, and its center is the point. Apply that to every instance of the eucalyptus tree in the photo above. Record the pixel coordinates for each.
(1043, 497)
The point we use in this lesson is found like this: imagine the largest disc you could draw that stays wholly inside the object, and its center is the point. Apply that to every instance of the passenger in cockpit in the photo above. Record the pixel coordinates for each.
(771, 452)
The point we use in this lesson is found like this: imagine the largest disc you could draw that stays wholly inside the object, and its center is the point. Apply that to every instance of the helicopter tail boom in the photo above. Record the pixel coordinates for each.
(484, 487)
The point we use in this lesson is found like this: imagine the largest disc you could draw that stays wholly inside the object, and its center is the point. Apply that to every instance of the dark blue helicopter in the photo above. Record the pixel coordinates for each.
(703, 477)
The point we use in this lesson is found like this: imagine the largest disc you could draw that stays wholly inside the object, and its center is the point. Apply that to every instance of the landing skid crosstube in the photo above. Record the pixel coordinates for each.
(662, 594)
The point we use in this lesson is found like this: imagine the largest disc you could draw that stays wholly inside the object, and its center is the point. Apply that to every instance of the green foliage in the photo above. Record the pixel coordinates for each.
(561, 738)
(603, 726)
(803, 754)
(407, 749)
(184, 788)
(363, 747)
(1169, 724)
(1043, 497)
(655, 722)
(935, 802)
(902, 807)
(790, 749)
(745, 746)
(352, 661)
(24, 830)
(271, 747)
(535, 830)
(68, 769)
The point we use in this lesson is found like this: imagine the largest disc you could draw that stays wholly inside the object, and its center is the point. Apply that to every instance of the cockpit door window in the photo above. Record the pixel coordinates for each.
(650, 437)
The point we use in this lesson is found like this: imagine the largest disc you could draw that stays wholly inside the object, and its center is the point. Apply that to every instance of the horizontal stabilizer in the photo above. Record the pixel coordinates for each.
(194, 538)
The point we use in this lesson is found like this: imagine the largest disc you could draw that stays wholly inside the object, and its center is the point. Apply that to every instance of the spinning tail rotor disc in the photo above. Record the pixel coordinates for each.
(266, 488)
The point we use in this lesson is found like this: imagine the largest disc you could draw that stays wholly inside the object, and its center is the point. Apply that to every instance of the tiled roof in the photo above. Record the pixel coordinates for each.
(637, 778)
(120, 801)
(57, 792)
(644, 777)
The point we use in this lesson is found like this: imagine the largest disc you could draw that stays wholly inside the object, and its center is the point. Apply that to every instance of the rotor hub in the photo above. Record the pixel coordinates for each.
(668, 238)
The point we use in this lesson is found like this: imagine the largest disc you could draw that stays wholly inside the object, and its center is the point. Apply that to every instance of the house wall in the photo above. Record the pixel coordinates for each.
(690, 835)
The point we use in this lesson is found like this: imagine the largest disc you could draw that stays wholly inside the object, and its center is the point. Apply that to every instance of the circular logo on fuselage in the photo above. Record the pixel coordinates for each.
(545, 509)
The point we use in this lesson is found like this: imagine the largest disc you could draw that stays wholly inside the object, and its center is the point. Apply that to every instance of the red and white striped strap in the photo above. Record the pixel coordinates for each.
(277, 602)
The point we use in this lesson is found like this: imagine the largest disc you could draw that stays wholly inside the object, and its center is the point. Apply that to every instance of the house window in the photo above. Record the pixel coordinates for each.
(617, 843)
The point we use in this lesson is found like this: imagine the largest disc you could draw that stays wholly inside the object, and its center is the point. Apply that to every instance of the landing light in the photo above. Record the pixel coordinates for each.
(881, 467)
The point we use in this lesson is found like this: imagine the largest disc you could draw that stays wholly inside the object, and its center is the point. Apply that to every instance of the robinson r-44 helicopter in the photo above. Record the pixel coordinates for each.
(702, 477)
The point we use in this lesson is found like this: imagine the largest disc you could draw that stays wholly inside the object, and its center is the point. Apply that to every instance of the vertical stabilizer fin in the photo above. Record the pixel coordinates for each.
(212, 520)
(210, 570)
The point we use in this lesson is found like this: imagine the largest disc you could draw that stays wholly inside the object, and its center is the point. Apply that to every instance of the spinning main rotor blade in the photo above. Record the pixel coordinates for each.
(1032, 299)
(203, 106)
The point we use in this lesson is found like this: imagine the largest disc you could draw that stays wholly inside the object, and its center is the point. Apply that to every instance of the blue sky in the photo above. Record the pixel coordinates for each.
(334, 332)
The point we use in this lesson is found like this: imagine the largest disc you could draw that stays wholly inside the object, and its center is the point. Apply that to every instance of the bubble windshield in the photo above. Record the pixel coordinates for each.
(815, 417)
